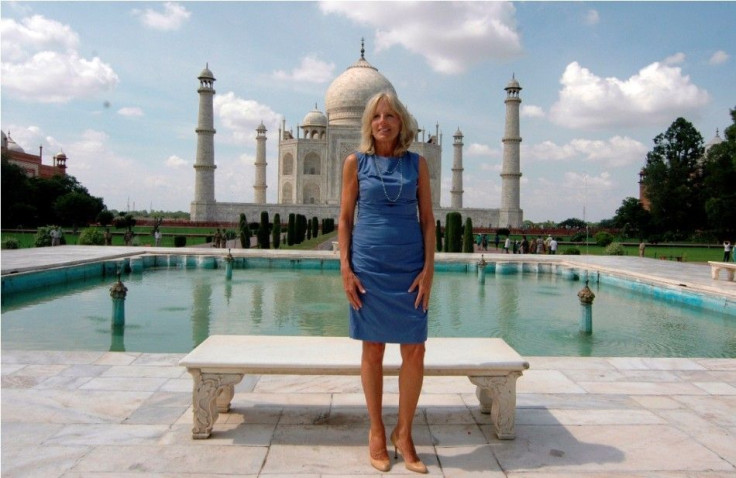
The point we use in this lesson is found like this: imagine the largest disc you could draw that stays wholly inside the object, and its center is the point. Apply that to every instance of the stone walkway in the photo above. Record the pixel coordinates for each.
(122, 414)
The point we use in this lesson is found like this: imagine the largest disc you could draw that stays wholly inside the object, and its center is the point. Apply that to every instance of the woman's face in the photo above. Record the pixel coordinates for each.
(386, 124)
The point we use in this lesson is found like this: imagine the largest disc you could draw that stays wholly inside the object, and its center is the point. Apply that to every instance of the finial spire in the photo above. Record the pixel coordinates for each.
(362, 48)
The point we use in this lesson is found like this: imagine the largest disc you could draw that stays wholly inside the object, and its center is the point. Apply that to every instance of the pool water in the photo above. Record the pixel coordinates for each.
(172, 310)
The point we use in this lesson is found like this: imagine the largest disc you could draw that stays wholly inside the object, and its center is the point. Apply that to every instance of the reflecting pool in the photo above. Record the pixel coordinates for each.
(171, 310)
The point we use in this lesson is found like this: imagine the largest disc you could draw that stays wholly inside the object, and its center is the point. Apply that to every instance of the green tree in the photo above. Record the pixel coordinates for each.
(468, 242)
(15, 187)
(572, 223)
(438, 235)
(632, 218)
(264, 232)
(276, 232)
(673, 180)
(77, 209)
(105, 217)
(244, 231)
(719, 173)
(291, 230)
(315, 226)
(453, 232)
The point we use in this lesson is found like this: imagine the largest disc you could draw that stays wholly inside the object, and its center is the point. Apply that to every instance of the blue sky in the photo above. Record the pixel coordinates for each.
(113, 85)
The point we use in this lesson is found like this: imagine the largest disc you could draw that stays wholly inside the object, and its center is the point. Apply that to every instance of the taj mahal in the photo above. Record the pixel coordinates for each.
(310, 164)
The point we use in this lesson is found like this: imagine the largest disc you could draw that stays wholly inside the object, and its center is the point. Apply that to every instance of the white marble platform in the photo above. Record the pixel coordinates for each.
(105, 414)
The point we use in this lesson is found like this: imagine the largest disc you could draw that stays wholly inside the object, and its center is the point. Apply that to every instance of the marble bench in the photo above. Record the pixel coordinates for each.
(221, 361)
(715, 269)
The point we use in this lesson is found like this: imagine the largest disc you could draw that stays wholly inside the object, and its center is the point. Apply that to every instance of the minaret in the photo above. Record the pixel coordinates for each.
(510, 214)
(202, 208)
(457, 171)
(260, 184)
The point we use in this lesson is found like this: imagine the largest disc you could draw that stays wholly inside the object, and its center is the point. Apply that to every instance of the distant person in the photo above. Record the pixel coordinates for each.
(553, 246)
(642, 247)
(726, 251)
(496, 240)
(540, 245)
(128, 237)
(484, 242)
(506, 244)
(157, 238)
(54, 237)
(524, 245)
(108, 237)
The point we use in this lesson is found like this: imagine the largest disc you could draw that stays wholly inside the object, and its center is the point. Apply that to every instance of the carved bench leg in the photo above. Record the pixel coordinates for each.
(497, 396)
(224, 397)
(212, 391)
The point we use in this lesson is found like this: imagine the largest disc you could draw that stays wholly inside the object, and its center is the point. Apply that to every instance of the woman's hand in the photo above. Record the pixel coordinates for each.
(353, 287)
(423, 282)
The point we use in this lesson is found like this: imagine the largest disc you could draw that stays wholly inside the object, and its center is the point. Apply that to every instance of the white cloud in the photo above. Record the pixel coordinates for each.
(107, 174)
(175, 162)
(656, 94)
(130, 111)
(41, 63)
(172, 18)
(451, 36)
(676, 59)
(241, 117)
(592, 17)
(475, 149)
(532, 111)
(310, 70)
(718, 58)
(615, 152)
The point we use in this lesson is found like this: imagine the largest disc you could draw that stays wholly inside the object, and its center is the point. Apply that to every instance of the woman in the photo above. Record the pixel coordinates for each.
(387, 265)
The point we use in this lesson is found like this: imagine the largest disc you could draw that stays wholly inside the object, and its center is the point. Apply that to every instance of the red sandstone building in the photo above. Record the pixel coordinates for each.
(30, 163)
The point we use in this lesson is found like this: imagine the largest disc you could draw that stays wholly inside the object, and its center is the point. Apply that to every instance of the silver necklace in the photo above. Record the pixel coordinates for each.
(401, 178)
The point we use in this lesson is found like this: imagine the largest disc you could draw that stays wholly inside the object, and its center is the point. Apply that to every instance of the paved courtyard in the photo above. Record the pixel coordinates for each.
(124, 414)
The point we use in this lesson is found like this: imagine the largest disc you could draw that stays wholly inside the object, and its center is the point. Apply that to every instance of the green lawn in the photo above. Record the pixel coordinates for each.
(199, 235)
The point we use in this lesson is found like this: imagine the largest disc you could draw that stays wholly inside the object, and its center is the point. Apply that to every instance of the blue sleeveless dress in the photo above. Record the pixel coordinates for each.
(387, 251)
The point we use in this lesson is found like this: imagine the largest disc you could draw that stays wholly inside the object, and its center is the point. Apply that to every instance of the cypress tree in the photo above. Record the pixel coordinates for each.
(315, 226)
(263, 232)
(242, 224)
(291, 229)
(453, 232)
(276, 232)
(301, 228)
(244, 232)
(438, 236)
(468, 236)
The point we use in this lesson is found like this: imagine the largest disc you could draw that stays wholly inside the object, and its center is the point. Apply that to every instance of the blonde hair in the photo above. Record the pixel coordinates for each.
(408, 124)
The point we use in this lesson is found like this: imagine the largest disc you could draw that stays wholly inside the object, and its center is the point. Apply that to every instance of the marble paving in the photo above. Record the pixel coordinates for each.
(105, 414)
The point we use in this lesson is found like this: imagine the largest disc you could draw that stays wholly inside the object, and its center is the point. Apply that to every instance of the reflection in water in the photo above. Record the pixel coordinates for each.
(228, 291)
(257, 309)
(200, 318)
(508, 303)
(117, 339)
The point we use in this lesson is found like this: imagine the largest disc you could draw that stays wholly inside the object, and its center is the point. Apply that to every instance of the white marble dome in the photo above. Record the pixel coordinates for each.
(347, 95)
(315, 118)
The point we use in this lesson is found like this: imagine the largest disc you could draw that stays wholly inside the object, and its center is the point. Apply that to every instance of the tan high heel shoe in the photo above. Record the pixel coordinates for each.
(379, 464)
(415, 466)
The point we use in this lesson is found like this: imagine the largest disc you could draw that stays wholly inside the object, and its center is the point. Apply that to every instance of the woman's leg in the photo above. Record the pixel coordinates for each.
(411, 377)
(371, 374)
